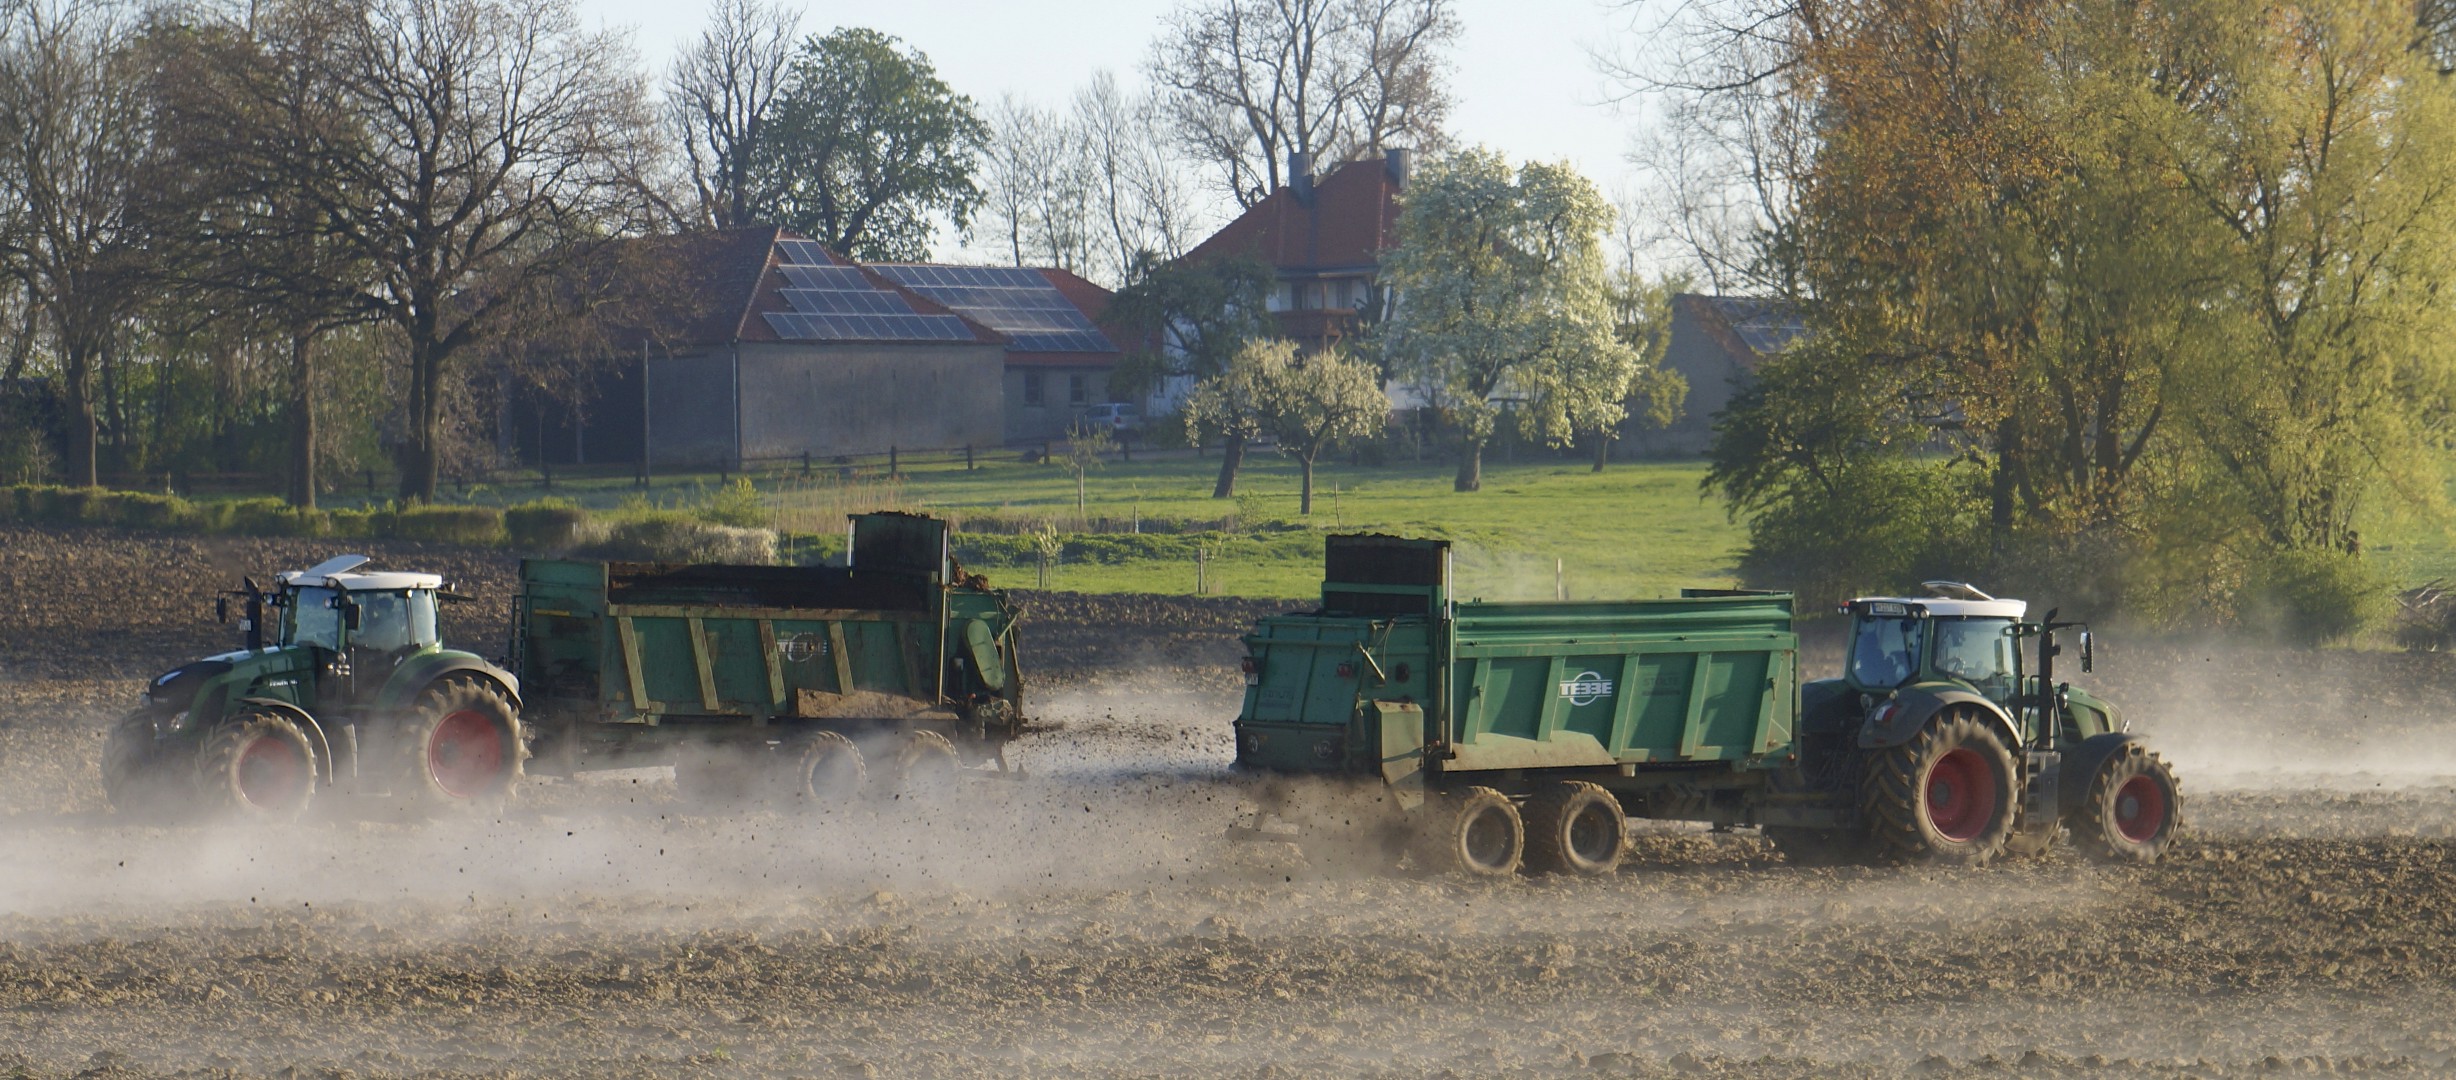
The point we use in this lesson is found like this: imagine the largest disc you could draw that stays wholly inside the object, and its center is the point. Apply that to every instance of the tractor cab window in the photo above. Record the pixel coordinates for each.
(394, 621)
(312, 619)
(1885, 652)
(1978, 652)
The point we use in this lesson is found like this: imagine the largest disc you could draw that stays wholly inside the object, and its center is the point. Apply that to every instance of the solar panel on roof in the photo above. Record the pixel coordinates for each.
(825, 277)
(1015, 301)
(803, 252)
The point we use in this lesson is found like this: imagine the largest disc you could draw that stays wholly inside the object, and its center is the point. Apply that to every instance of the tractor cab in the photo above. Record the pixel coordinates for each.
(382, 613)
(1957, 635)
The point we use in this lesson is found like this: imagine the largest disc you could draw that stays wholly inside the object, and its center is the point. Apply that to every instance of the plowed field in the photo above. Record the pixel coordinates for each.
(1093, 922)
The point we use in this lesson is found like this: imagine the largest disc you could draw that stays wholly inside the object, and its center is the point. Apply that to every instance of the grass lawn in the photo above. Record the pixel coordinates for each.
(1637, 529)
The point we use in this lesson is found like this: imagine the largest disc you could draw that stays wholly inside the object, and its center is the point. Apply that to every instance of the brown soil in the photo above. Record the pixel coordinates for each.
(1093, 921)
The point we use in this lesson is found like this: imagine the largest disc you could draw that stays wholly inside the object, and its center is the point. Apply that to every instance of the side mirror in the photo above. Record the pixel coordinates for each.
(349, 615)
(2086, 642)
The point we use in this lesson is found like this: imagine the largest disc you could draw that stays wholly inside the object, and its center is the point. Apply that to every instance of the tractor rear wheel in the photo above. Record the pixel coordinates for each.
(827, 773)
(924, 767)
(1573, 827)
(1476, 831)
(460, 747)
(259, 765)
(137, 774)
(2133, 809)
(1946, 796)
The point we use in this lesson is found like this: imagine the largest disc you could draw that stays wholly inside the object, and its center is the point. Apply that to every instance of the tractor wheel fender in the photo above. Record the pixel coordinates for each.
(2081, 765)
(1899, 718)
(306, 723)
(421, 672)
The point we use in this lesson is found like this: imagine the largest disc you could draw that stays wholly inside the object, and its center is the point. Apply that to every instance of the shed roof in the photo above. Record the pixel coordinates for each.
(1748, 328)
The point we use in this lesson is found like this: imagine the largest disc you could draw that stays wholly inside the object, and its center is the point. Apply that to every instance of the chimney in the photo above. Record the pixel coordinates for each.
(1395, 161)
(1300, 175)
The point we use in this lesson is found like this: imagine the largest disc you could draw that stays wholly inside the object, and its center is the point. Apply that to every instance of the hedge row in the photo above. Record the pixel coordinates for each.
(45, 505)
(545, 526)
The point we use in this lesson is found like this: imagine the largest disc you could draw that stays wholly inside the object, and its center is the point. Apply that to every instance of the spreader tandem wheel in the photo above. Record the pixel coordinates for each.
(1945, 796)
(257, 764)
(827, 773)
(1475, 831)
(461, 747)
(2133, 808)
(1573, 827)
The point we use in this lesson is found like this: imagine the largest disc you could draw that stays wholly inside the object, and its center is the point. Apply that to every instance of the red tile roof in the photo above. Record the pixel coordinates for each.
(1351, 219)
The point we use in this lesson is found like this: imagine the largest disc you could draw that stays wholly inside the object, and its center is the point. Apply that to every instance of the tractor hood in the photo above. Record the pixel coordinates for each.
(177, 687)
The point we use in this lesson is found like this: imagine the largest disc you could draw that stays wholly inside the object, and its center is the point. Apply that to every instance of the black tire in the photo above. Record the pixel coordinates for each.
(1475, 831)
(1818, 847)
(2133, 810)
(827, 773)
(1574, 827)
(138, 775)
(924, 767)
(257, 765)
(460, 747)
(1949, 795)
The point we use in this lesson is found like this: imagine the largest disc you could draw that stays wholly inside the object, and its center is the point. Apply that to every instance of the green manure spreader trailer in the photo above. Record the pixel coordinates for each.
(888, 676)
(1509, 737)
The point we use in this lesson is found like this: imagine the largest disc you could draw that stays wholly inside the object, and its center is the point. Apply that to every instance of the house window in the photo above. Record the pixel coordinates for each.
(1035, 393)
(1078, 390)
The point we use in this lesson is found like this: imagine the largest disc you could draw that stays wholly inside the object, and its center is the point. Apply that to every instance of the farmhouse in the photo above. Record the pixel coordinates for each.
(1323, 239)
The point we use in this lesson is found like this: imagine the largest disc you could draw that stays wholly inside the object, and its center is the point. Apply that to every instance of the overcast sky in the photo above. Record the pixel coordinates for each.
(1524, 80)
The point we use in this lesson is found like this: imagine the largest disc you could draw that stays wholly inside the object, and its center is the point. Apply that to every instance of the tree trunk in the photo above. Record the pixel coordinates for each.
(1231, 455)
(1304, 502)
(421, 459)
(1470, 465)
(1603, 449)
(302, 421)
(83, 432)
(2001, 484)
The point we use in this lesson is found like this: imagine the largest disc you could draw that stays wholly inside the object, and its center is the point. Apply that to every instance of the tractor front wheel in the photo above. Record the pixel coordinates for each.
(1476, 831)
(461, 746)
(259, 765)
(137, 774)
(1945, 796)
(2133, 809)
(1573, 827)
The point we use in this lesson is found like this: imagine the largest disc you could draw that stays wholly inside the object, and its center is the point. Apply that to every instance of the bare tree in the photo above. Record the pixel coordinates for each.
(493, 133)
(1042, 186)
(1246, 83)
(1013, 170)
(74, 134)
(1143, 197)
(718, 99)
(1733, 141)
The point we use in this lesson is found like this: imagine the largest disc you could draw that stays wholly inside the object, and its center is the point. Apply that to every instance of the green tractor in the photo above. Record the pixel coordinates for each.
(1963, 744)
(342, 685)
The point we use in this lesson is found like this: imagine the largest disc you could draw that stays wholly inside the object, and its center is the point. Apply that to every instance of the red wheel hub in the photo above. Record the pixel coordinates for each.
(465, 755)
(273, 775)
(1959, 803)
(2140, 809)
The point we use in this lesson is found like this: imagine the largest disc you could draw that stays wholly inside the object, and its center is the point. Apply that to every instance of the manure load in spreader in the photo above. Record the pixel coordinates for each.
(1460, 735)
